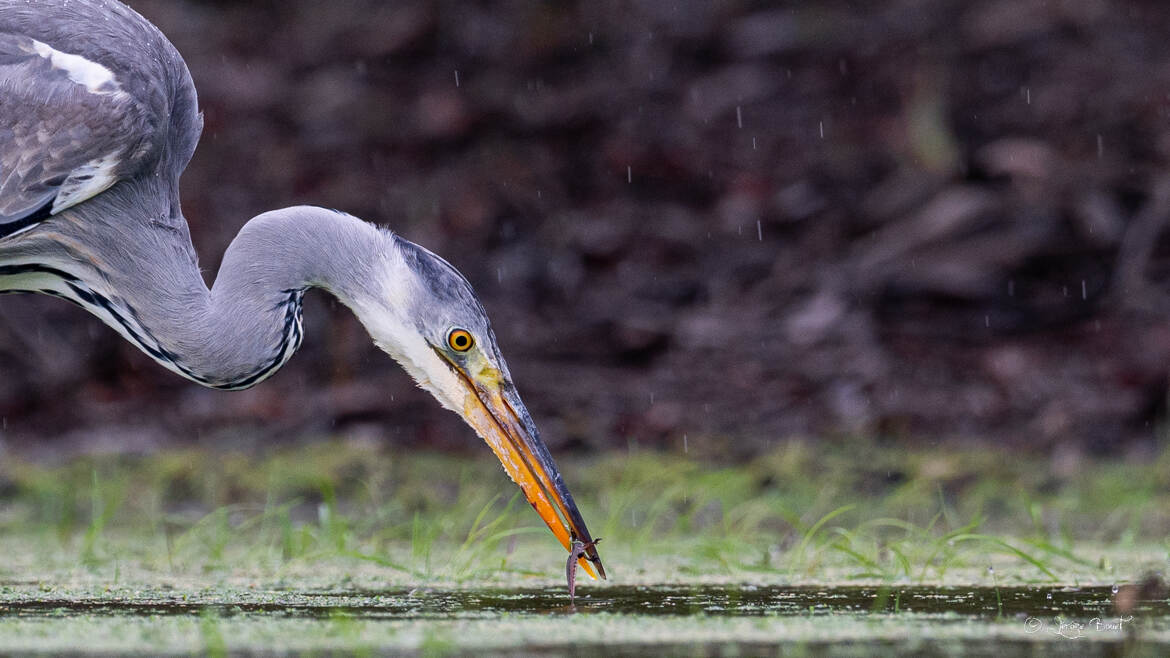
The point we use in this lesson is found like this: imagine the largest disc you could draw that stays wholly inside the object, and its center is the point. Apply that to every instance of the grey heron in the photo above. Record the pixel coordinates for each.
(98, 119)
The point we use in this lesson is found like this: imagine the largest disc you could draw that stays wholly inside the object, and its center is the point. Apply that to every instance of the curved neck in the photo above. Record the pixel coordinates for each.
(141, 278)
(251, 323)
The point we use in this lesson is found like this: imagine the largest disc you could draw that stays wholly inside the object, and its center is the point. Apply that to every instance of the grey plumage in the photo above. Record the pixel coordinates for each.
(129, 243)
(53, 126)
(98, 118)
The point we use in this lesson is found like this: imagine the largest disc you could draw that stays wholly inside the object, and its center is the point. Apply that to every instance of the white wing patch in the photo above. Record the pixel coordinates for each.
(96, 78)
(86, 181)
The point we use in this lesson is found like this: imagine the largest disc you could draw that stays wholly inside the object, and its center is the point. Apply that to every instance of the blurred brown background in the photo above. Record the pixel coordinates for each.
(734, 222)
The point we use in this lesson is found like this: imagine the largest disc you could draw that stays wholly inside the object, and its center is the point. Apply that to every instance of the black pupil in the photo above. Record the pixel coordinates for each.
(460, 340)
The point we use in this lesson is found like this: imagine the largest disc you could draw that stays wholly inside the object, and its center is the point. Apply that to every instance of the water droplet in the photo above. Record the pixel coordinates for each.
(456, 77)
(591, 38)
(754, 147)
(686, 448)
(739, 116)
(759, 230)
(1100, 146)
(629, 174)
(822, 126)
(1084, 290)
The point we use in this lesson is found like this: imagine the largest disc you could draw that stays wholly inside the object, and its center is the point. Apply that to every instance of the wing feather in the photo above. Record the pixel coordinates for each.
(68, 131)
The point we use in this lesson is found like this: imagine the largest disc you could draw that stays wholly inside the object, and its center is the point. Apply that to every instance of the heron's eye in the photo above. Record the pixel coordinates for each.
(460, 340)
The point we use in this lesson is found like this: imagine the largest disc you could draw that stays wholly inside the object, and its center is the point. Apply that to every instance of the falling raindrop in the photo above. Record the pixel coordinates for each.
(754, 144)
(1084, 290)
(759, 230)
(591, 38)
(456, 77)
(499, 275)
(1100, 146)
(987, 320)
(629, 174)
(739, 116)
(1065, 290)
(1011, 287)
(651, 397)
(686, 448)
(1028, 95)
(822, 126)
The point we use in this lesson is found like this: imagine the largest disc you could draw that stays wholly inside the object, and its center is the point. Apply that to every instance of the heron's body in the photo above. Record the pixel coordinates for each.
(98, 119)
(128, 139)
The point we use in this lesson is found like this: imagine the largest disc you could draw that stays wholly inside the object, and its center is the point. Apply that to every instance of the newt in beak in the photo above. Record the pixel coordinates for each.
(495, 411)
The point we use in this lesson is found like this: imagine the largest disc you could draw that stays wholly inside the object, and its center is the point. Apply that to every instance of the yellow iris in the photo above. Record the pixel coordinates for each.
(460, 340)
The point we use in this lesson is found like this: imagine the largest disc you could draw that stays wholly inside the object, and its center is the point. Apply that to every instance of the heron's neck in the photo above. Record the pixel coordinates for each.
(141, 278)
(252, 317)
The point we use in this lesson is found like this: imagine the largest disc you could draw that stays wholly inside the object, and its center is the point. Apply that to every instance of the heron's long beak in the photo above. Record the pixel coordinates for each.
(495, 411)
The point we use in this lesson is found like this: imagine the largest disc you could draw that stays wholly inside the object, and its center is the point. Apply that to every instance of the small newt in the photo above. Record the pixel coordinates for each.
(576, 551)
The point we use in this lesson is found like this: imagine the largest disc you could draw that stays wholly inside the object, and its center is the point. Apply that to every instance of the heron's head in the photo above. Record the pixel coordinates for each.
(432, 323)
